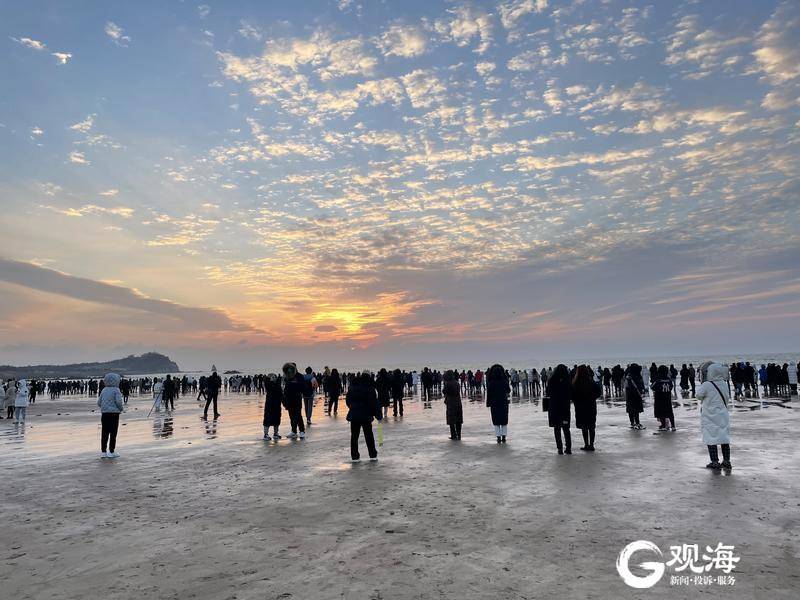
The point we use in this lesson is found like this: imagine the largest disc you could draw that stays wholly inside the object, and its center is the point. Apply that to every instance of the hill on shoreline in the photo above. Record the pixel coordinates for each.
(150, 362)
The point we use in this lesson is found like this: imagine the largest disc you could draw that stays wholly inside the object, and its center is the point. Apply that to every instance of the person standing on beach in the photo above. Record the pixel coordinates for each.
(559, 392)
(362, 401)
(334, 385)
(21, 402)
(111, 405)
(497, 391)
(452, 402)
(293, 386)
(272, 407)
(10, 397)
(383, 385)
(634, 395)
(398, 391)
(213, 385)
(662, 398)
(585, 392)
(310, 385)
(715, 422)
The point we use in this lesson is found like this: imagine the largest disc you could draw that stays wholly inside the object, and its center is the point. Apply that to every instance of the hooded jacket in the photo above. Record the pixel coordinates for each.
(110, 399)
(21, 399)
(11, 393)
(715, 422)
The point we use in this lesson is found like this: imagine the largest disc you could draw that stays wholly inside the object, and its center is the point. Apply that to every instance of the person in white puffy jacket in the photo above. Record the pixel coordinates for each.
(715, 423)
(21, 402)
(111, 405)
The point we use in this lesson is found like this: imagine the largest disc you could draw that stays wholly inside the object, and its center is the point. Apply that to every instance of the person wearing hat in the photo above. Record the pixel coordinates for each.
(293, 386)
(272, 407)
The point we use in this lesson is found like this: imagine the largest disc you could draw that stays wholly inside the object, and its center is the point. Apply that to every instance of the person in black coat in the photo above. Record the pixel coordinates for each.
(634, 395)
(559, 392)
(585, 392)
(362, 400)
(272, 406)
(452, 400)
(213, 385)
(383, 385)
(497, 390)
(662, 398)
(334, 383)
(398, 390)
(293, 387)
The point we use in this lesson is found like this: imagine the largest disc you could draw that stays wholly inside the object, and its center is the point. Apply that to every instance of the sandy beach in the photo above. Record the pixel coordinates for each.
(204, 510)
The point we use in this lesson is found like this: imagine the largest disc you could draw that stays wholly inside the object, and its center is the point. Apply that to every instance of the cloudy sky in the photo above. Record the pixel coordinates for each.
(398, 180)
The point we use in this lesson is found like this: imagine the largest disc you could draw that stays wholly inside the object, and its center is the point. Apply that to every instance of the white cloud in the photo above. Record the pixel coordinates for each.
(203, 10)
(402, 40)
(778, 51)
(484, 68)
(62, 57)
(110, 193)
(84, 126)
(116, 33)
(423, 88)
(30, 43)
(36, 132)
(511, 12)
(249, 31)
(78, 158)
(467, 24)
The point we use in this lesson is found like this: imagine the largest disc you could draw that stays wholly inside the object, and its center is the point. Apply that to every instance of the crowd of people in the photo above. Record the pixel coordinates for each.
(369, 396)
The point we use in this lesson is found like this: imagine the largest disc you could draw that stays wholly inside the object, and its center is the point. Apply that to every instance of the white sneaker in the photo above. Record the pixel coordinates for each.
(355, 460)
(104, 455)
(302, 435)
(113, 455)
(292, 435)
(374, 459)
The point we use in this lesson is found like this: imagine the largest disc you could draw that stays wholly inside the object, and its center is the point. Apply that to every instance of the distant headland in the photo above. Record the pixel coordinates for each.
(149, 362)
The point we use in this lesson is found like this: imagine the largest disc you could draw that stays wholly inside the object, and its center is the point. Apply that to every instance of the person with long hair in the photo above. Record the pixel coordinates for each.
(634, 395)
(383, 385)
(559, 393)
(497, 390)
(662, 398)
(272, 407)
(585, 392)
(452, 402)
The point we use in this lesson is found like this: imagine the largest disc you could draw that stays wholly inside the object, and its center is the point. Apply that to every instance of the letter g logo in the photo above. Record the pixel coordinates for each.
(656, 568)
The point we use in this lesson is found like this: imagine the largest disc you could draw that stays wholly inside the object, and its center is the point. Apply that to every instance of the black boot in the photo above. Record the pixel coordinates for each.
(712, 453)
(726, 456)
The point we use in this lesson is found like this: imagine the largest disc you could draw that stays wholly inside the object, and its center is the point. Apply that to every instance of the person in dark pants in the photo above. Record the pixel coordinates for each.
(662, 398)
(334, 384)
(293, 387)
(634, 394)
(452, 400)
(213, 385)
(585, 392)
(497, 390)
(398, 391)
(272, 406)
(111, 405)
(170, 390)
(362, 400)
(559, 392)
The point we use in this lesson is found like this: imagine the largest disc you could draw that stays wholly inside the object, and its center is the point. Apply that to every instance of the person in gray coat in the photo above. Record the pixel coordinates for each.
(111, 405)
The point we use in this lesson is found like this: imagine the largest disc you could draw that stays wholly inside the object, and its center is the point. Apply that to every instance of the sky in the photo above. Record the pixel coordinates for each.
(344, 180)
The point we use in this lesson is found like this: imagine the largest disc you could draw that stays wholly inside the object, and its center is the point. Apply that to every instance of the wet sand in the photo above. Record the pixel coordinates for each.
(204, 510)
